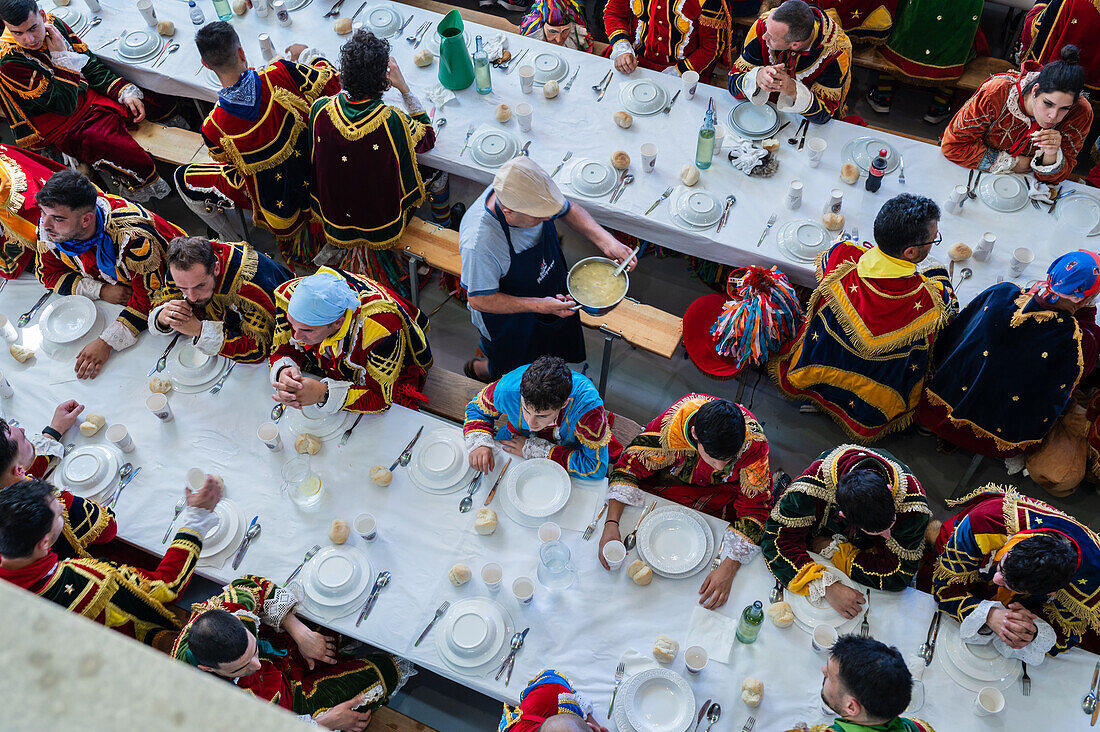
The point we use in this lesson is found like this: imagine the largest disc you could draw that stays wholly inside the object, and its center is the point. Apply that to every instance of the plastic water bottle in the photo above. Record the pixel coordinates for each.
(704, 149)
(874, 175)
(222, 10)
(196, 13)
(748, 628)
(482, 80)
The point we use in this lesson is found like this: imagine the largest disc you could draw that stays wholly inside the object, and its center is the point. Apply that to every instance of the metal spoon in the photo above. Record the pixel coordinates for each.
(730, 200)
(632, 538)
(465, 504)
(95, 21)
(1088, 704)
(440, 123)
(966, 274)
(162, 362)
(626, 181)
(171, 49)
(277, 412)
(713, 714)
(382, 581)
(777, 593)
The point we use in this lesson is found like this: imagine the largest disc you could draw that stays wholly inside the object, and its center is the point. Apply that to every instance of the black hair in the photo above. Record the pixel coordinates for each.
(217, 637)
(799, 19)
(903, 222)
(364, 65)
(67, 188)
(187, 251)
(874, 674)
(8, 450)
(1063, 75)
(1040, 565)
(25, 517)
(546, 384)
(865, 499)
(720, 428)
(16, 12)
(218, 43)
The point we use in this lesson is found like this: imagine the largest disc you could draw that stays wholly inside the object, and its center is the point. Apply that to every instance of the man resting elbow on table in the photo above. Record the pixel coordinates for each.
(861, 510)
(708, 454)
(550, 412)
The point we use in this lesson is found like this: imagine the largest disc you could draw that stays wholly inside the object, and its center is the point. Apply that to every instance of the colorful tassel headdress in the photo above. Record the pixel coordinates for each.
(761, 316)
(550, 12)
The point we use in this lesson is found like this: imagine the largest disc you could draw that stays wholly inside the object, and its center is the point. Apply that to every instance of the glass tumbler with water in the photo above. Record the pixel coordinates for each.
(300, 483)
(556, 570)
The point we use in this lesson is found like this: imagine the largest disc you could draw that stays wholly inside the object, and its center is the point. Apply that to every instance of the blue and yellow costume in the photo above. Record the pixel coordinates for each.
(546, 695)
(993, 520)
(581, 439)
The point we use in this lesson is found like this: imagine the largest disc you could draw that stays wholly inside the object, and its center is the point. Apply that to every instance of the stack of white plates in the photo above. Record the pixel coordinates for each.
(803, 240)
(643, 97)
(336, 581)
(228, 530)
(549, 66)
(327, 426)
(592, 178)
(755, 122)
(292, 5)
(1004, 193)
(382, 20)
(695, 210)
(655, 700)
(974, 666)
(89, 471)
(72, 17)
(69, 324)
(435, 39)
(493, 148)
(675, 541)
(807, 617)
(140, 45)
(439, 464)
(863, 150)
(211, 78)
(1079, 212)
(191, 370)
(473, 634)
(535, 490)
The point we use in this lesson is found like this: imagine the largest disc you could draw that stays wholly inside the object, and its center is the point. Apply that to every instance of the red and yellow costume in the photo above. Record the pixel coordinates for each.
(284, 678)
(863, 353)
(546, 695)
(239, 320)
(808, 509)
(22, 174)
(864, 21)
(897, 724)
(1050, 26)
(664, 460)
(124, 598)
(379, 356)
(691, 35)
(140, 238)
(73, 101)
(991, 132)
(262, 153)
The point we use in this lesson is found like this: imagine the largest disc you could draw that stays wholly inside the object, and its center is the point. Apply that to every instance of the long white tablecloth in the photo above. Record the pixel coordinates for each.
(575, 122)
(582, 631)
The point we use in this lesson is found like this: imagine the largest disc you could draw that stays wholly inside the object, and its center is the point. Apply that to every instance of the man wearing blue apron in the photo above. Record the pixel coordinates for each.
(515, 272)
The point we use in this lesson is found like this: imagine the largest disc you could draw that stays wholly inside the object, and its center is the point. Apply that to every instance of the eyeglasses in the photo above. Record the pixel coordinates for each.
(934, 242)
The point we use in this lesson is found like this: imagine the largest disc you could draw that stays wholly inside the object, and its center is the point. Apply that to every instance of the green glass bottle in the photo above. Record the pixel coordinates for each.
(704, 150)
(482, 80)
(748, 628)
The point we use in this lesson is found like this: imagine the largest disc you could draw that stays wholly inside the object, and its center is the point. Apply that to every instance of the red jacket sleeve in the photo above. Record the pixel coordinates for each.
(619, 21)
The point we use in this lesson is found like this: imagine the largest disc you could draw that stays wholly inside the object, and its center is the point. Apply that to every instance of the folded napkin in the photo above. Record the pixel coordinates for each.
(579, 511)
(713, 631)
(494, 46)
(440, 95)
(635, 662)
(745, 156)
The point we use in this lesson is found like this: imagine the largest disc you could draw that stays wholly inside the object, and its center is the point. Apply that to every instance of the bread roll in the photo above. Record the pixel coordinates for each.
(61, 3)
(620, 160)
(689, 175)
(665, 649)
(752, 691)
(781, 614)
(833, 221)
(486, 521)
(240, 7)
(158, 385)
(503, 113)
(959, 252)
(550, 89)
(92, 423)
(339, 532)
(771, 144)
(459, 575)
(640, 572)
(166, 28)
(423, 57)
(623, 119)
(381, 475)
(20, 353)
(849, 173)
(307, 444)
(342, 26)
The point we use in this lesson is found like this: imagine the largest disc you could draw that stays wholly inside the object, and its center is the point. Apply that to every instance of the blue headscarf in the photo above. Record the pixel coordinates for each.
(321, 299)
(1075, 275)
(104, 248)
(243, 98)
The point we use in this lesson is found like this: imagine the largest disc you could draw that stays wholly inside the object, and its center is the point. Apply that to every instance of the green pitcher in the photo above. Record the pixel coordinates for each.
(456, 69)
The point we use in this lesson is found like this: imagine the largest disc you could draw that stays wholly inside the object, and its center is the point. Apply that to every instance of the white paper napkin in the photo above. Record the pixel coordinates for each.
(635, 662)
(61, 371)
(713, 631)
(440, 95)
(579, 511)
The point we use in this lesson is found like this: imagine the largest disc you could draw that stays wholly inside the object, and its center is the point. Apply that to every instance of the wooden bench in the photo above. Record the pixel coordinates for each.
(643, 326)
(171, 144)
(386, 719)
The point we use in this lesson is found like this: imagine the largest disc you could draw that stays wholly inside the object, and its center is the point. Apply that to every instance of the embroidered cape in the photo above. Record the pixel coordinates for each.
(22, 174)
(864, 21)
(1050, 26)
(933, 40)
(546, 695)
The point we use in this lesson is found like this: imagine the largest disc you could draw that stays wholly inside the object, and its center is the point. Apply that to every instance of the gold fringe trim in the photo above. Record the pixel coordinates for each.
(17, 184)
(356, 130)
(296, 110)
(974, 429)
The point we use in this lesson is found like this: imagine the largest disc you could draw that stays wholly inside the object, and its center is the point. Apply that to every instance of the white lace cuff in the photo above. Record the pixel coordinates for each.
(412, 103)
(310, 55)
(130, 91)
(276, 606)
(582, 702)
(43, 444)
(1003, 163)
(88, 287)
(196, 519)
(70, 60)
(620, 48)
(154, 325)
(474, 440)
(211, 337)
(1033, 653)
(752, 92)
(737, 547)
(627, 494)
(118, 336)
(278, 366)
(830, 550)
(818, 586)
(536, 447)
(800, 103)
(337, 395)
(1047, 169)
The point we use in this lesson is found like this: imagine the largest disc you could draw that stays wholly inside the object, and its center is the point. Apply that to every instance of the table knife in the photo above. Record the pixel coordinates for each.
(668, 107)
(407, 448)
(26, 317)
(360, 10)
(244, 543)
(935, 634)
(512, 62)
(489, 498)
(1092, 690)
(603, 91)
(702, 713)
(382, 581)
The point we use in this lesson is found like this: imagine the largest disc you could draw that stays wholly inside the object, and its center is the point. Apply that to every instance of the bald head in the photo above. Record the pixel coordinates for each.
(564, 723)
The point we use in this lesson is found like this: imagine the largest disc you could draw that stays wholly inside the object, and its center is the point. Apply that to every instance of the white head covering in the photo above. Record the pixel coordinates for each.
(521, 185)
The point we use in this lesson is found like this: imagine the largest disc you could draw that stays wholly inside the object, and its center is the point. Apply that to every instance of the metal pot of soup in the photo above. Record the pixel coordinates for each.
(595, 287)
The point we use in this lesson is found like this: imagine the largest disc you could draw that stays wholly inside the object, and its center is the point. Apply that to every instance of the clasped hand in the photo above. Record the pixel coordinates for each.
(179, 316)
(295, 390)
(775, 79)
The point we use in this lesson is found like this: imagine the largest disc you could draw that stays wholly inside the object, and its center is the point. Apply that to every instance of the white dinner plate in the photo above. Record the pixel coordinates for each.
(382, 20)
(222, 534)
(67, 352)
(188, 366)
(336, 575)
(592, 178)
(643, 97)
(753, 121)
(67, 319)
(492, 148)
(696, 210)
(72, 17)
(434, 39)
(538, 487)
(863, 150)
(324, 427)
(657, 700)
(949, 661)
(89, 471)
(1079, 212)
(211, 78)
(981, 662)
(803, 240)
(292, 5)
(549, 66)
(807, 617)
(439, 462)
(672, 541)
(140, 45)
(708, 548)
(476, 618)
(1004, 193)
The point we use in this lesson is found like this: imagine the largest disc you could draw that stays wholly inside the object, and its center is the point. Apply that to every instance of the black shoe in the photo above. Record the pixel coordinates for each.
(879, 103)
(458, 210)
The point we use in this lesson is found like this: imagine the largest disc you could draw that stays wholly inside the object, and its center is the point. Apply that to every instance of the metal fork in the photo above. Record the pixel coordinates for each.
(438, 614)
(1025, 680)
(764, 233)
(749, 724)
(309, 555)
(901, 175)
(619, 671)
(592, 526)
(348, 431)
(865, 626)
(221, 381)
(666, 194)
